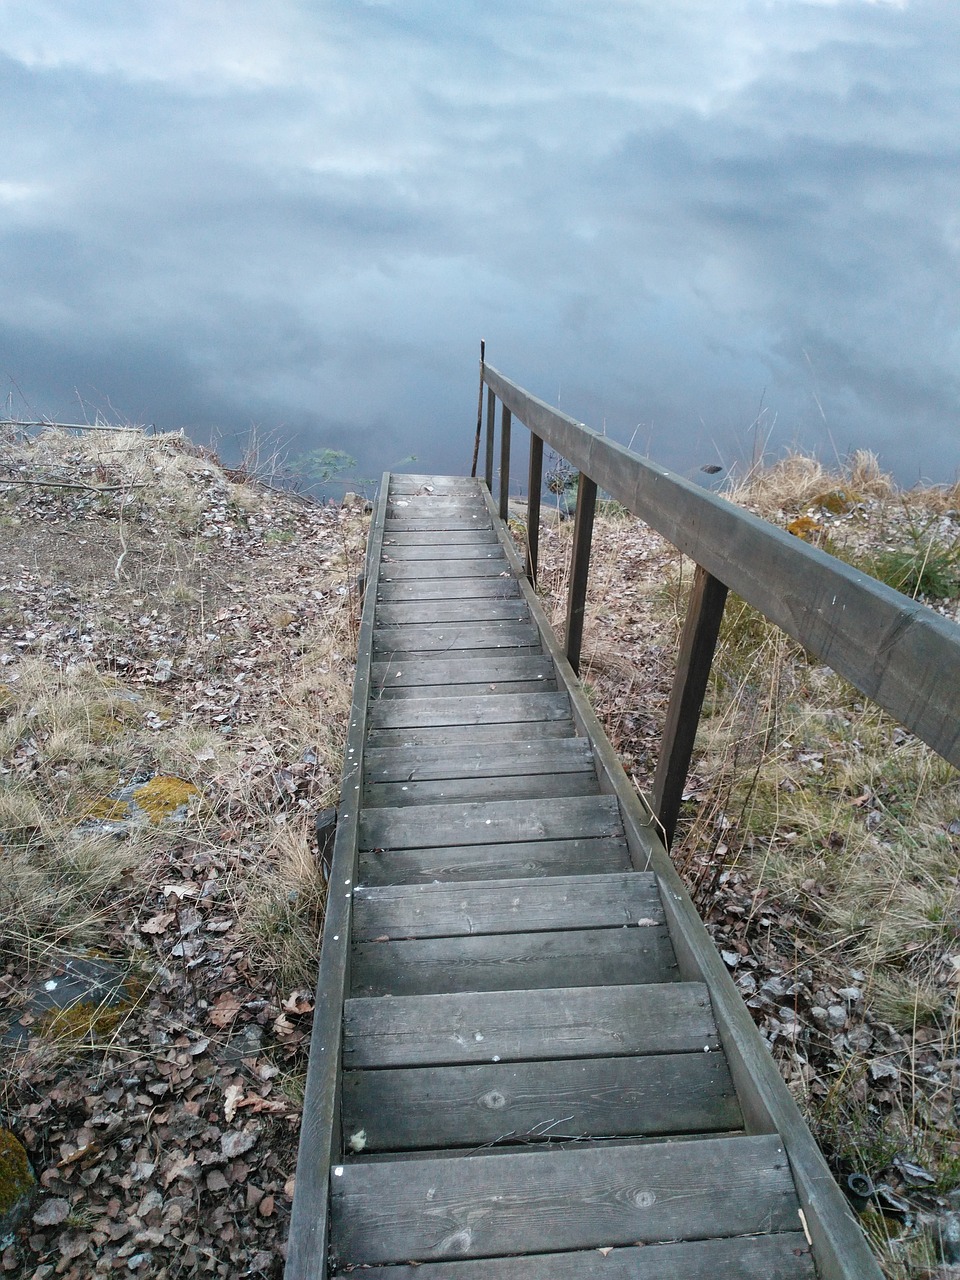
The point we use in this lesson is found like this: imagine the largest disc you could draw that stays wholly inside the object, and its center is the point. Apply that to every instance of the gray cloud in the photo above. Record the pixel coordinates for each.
(657, 214)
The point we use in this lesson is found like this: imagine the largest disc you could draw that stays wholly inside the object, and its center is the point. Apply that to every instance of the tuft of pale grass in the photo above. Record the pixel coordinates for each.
(282, 916)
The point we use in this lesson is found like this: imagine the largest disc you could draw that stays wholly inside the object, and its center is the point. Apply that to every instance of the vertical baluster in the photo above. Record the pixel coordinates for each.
(476, 443)
(580, 567)
(505, 419)
(697, 644)
(491, 424)
(534, 486)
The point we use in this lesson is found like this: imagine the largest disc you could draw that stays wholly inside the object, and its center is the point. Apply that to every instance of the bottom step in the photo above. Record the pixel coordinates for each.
(535, 1202)
(778, 1257)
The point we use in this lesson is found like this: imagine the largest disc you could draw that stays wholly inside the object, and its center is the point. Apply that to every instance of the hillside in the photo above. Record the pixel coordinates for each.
(176, 649)
(820, 841)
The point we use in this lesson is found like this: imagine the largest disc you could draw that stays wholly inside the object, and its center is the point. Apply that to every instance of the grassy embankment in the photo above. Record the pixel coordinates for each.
(821, 841)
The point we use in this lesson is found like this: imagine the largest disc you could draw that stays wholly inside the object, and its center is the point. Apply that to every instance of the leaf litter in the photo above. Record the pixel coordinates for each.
(166, 619)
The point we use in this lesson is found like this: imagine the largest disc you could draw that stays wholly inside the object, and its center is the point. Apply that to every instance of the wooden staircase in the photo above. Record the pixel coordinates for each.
(532, 1080)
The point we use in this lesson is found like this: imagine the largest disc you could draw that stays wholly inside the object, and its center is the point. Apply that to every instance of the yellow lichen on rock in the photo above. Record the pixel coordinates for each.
(837, 501)
(805, 527)
(163, 795)
(16, 1179)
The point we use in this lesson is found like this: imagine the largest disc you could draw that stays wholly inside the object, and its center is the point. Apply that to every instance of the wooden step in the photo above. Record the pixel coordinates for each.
(440, 549)
(441, 611)
(517, 860)
(457, 790)
(495, 1103)
(443, 637)
(784, 1256)
(629, 901)
(448, 589)
(492, 822)
(513, 962)
(511, 759)
(427, 712)
(468, 735)
(397, 1211)
(448, 537)
(436, 570)
(513, 1026)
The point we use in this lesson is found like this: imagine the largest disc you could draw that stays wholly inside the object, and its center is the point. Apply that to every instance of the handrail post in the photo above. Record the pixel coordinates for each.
(476, 443)
(491, 424)
(580, 567)
(701, 627)
(505, 417)
(534, 486)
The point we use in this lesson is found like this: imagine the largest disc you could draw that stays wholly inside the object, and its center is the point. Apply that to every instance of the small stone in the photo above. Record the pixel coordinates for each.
(837, 1015)
(235, 1143)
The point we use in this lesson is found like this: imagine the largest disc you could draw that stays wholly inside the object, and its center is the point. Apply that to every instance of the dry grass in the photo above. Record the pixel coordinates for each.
(818, 837)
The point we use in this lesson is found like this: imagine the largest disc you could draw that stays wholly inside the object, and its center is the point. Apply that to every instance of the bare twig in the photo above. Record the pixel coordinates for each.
(63, 484)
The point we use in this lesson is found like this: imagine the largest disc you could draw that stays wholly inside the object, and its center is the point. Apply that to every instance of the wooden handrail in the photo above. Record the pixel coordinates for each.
(902, 655)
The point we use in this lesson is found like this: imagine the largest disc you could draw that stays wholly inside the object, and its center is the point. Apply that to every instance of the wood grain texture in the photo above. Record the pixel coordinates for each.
(490, 822)
(462, 735)
(397, 553)
(448, 589)
(565, 1022)
(534, 1101)
(466, 690)
(630, 900)
(435, 570)
(495, 861)
(513, 962)
(891, 648)
(418, 764)
(486, 609)
(504, 1204)
(423, 484)
(534, 786)
(784, 1256)
(449, 537)
(416, 713)
(389, 642)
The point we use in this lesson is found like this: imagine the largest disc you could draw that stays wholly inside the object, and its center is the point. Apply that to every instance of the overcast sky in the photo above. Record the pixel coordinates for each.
(666, 217)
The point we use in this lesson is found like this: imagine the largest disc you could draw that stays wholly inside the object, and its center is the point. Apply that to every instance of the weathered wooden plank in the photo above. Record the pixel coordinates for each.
(579, 568)
(784, 1256)
(429, 504)
(487, 609)
(510, 708)
(397, 764)
(893, 649)
(565, 1022)
(467, 690)
(405, 1108)
(697, 644)
(535, 786)
(433, 524)
(505, 1204)
(413, 570)
(631, 900)
(513, 962)
(449, 537)
(459, 735)
(395, 553)
(427, 485)
(447, 636)
(448, 589)
(495, 861)
(490, 822)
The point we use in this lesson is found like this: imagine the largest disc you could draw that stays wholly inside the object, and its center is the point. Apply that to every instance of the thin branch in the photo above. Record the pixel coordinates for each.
(64, 484)
(67, 426)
